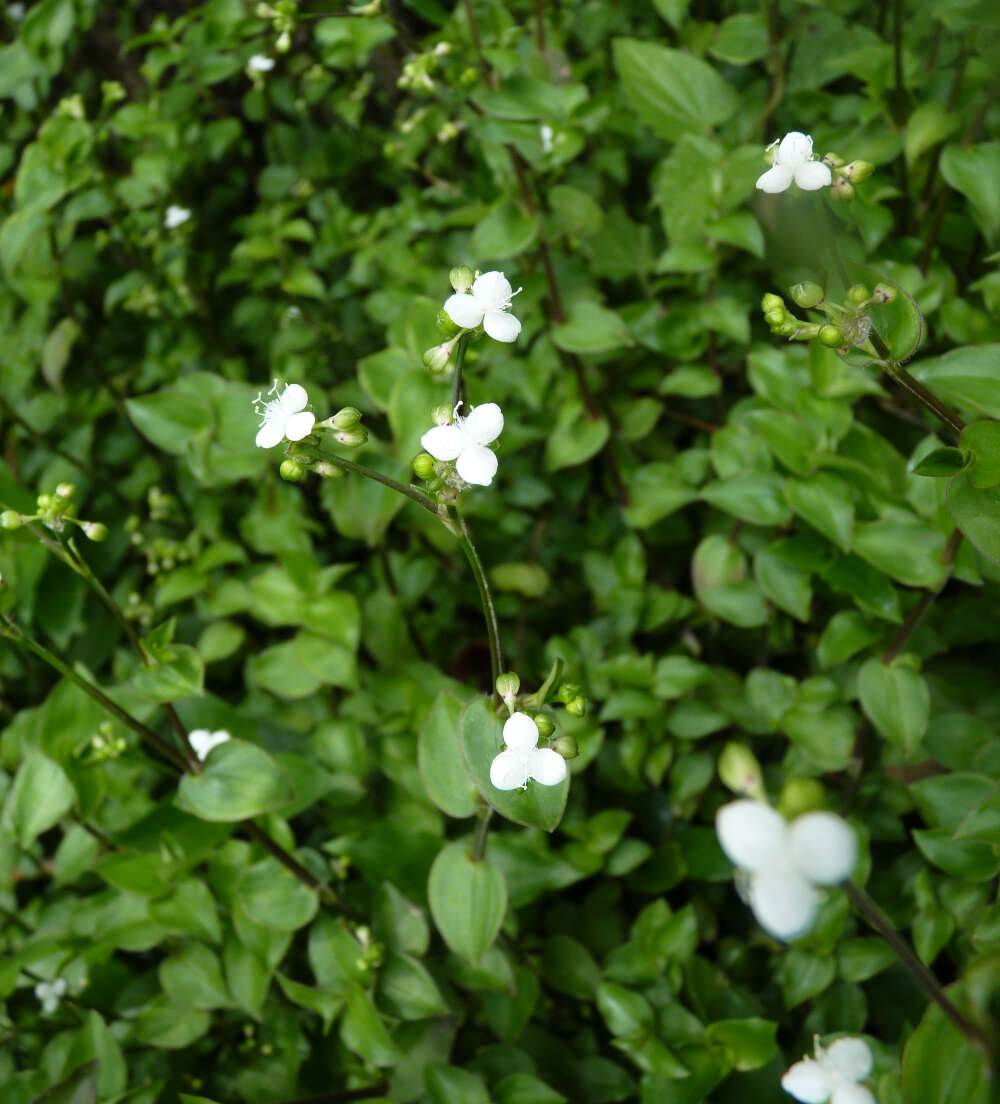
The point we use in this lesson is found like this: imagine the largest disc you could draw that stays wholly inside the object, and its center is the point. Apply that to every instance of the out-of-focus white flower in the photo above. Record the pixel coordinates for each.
(175, 216)
(283, 416)
(793, 161)
(833, 1075)
(545, 133)
(260, 63)
(50, 993)
(465, 441)
(785, 862)
(202, 741)
(15, 12)
(486, 303)
(522, 759)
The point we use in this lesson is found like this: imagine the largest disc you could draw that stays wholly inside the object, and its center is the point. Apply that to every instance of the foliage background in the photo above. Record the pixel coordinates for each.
(720, 534)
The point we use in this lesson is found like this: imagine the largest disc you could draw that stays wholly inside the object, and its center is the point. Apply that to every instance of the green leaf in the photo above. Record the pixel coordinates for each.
(976, 512)
(670, 89)
(568, 966)
(170, 419)
(655, 491)
(802, 975)
(591, 328)
(783, 583)
(826, 502)
(749, 1044)
(942, 461)
(969, 859)
(846, 634)
(40, 797)
(481, 741)
(80, 1087)
(468, 901)
(945, 799)
(982, 440)
(574, 438)
(451, 1085)
(193, 978)
(239, 781)
(442, 767)
(940, 1064)
(162, 1023)
(324, 1004)
(860, 959)
(907, 550)
(95, 1042)
(964, 377)
(522, 1088)
(754, 497)
(505, 232)
(897, 701)
(274, 897)
(363, 1032)
(928, 124)
(973, 171)
(407, 991)
(740, 39)
(177, 672)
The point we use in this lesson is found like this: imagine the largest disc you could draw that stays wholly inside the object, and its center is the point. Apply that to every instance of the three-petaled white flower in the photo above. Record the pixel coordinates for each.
(49, 993)
(202, 741)
(260, 63)
(175, 216)
(283, 416)
(793, 161)
(785, 862)
(488, 303)
(832, 1075)
(465, 439)
(523, 759)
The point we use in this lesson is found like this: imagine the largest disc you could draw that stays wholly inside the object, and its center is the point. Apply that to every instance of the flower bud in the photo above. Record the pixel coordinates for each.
(445, 325)
(567, 692)
(858, 171)
(565, 746)
(436, 358)
(807, 332)
(544, 725)
(352, 438)
(740, 771)
(832, 336)
(832, 160)
(65, 490)
(284, 43)
(95, 530)
(441, 414)
(291, 470)
(841, 189)
(44, 502)
(884, 293)
(801, 795)
(423, 465)
(577, 707)
(776, 317)
(327, 470)
(788, 328)
(461, 278)
(806, 294)
(772, 302)
(507, 686)
(858, 294)
(10, 519)
(347, 418)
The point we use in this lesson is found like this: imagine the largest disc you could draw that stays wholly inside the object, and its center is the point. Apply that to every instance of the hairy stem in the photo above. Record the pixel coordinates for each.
(485, 596)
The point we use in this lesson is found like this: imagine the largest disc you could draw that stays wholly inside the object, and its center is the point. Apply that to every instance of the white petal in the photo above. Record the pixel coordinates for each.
(824, 847)
(784, 902)
(59, 986)
(477, 464)
(807, 1081)
(813, 175)
(520, 732)
(464, 310)
(795, 148)
(444, 442)
(501, 325)
(852, 1094)
(299, 425)
(492, 289)
(509, 770)
(547, 766)
(483, 424)
(293, 398)
(850, 1057)
(751, 833)
(775, 180)
(271, 432)
(202, 741)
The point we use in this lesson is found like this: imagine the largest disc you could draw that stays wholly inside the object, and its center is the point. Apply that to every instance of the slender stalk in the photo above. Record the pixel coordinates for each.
(914, 617)
(485, 596)
(479, 843)
(412, 493)
(921, 974)
(540, 26)
(477, 42)
(456, 385)
(915, 387)
(256, 833)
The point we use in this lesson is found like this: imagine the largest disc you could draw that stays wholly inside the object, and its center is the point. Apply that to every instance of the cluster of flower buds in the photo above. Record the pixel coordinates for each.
(162, 553)
(55, 511)
(848, 324)
(104, 744)
(347, 430)
(417, 70)
(508, 686)
(139, 610)
(282, 15)
(572, 697)
(846, 175)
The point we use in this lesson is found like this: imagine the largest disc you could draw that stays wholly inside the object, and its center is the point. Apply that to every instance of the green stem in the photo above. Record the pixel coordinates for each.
(485, 596)
(456, 386)
(412, 493)
(915, 387)
(479, 844)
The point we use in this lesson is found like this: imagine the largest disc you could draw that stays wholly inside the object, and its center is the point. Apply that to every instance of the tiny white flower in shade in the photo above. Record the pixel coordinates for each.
(833, 1074)
(283, 416)
(522, 759)
(260, 63)
(465, 441)
(202, 741)
(785, 862)
(545, 133)
(793, 161)
(487, 303)
(50, 993)
(175, 216)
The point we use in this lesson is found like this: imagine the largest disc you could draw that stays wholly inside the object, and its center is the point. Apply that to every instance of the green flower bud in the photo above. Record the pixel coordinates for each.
(788, 328)
(807, 332)
(565, 746)
(857, 294)
(841, 189)
(291, 470)
(858, 171)
(423, 465)
(436, 359)
(776, 317)
(772, 302)
(441, 414)
(832, 336)
(544, 725)
(461, 278)
(507, 685)
(832, 160)
(10, 519)
(807, 294)
(884, 293)
(65, 490)
(577, 707)
(740, 771)
(445, 326)
(567, 692)
(801, 795)
(327, 470)
(95, 530)
(352, 438)
(44, 502)
(347, 418)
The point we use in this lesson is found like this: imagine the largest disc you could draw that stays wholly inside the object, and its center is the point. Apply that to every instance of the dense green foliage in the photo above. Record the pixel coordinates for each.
(720, 533)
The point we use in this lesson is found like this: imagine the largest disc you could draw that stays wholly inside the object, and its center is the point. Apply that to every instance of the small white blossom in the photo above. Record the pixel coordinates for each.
(260, 63)
(465, 441)
(16, 12)
(202, 741)
(833, 1075)
(793, 161)
(49, 993)
(175, 216)
(283, 416)
(785, 862)
(487, 303)
(522, 758)
(545, 133)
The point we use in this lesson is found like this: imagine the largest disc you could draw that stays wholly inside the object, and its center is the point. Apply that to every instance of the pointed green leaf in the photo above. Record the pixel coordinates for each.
(468, 901)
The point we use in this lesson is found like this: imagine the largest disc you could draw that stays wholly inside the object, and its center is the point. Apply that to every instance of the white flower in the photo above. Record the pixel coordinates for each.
(465, 441)
(260, 63)
(522, 759)
(284, 416)
(545, 133)
(832, 1075)
(202, 741)
(16, 12)
(785, 862)
(488, 302)
(50, 992)
(793, 161)
(175, 216)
